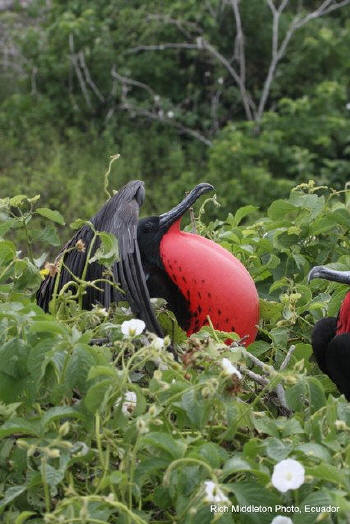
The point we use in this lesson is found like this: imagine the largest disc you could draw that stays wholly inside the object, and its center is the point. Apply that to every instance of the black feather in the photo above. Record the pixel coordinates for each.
(118, 216)
(332, 353)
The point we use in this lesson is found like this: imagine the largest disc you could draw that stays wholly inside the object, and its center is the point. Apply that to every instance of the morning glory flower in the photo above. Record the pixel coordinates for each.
(213, 493)
(133, 327)
(281, 520)
(288, 474)
(230, 369)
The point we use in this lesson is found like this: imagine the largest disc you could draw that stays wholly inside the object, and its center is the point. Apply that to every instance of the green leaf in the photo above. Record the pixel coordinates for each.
(51, 214)
(271, 311)
(53, 477)
(319, 498)
(259, 347)
(250, 493)
(312, 449)
(266, 425)
(148, 468)
(47, 326)
(280, 209)
(108, 252)
(235, 464)
(276, 449)
(59, 412)
(11, 494)
(7, 252)
(23, 516)
(78, 367)
(19, 425)
(170, 326)
(316, 394)
(78, 223)
(96, 395)
(330, 473)
(242, 212)
(166, 443)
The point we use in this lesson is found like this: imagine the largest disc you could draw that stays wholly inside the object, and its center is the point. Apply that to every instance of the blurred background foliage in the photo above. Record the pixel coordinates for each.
(79, 83)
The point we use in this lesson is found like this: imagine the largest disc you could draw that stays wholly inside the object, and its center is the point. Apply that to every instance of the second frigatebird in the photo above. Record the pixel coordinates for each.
(197, 277)
(330, 337)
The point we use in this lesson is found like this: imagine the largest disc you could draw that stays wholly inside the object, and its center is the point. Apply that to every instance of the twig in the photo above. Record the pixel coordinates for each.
(265, 367)
(255, 376)
(287, 357)
(269, 371)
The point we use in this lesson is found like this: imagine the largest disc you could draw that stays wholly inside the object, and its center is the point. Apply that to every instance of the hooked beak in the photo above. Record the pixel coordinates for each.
(168, 218)
(329, 274)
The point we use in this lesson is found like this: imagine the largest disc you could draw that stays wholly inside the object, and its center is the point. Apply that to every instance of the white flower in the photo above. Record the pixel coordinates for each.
(220, 80)
(133, 327)
(229, 369)
(288, 474)
(170, 114)
(158, 342)
(129, 404)
(281, 520)
(213, 493)
(348, 106)
(156, 98)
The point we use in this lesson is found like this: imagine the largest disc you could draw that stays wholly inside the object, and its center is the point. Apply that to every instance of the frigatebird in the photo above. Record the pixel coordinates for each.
(197, 277)
(330, 337)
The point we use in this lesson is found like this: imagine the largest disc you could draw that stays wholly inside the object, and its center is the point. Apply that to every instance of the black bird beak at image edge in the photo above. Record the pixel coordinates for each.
(329, 274)
(168, 218)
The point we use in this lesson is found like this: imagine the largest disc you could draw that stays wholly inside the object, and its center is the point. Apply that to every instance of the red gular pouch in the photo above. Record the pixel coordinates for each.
(343, 320)
(214, 283)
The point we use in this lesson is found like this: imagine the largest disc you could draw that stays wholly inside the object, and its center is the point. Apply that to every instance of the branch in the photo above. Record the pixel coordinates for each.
(153, 115)
(183, 26)
(75, 62)
(130, 81)
(214, 110)
(161, 118)
(88, 77)
(278, 51)
(239, 44)
(269, 370)
(202, 44)
(161, 47)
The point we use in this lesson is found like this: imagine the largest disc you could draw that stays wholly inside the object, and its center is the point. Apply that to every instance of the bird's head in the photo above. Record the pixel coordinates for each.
(150, 230)
(329, 274)
(343, 321)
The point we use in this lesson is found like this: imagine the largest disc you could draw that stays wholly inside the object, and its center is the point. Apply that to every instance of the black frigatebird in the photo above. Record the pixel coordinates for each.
(330, 337)
(197, 277)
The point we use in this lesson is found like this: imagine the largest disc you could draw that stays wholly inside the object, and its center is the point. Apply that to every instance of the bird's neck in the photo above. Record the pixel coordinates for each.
(343, 322)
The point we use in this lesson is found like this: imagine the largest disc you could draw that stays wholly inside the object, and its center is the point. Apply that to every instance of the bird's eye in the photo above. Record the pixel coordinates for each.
(147, 228)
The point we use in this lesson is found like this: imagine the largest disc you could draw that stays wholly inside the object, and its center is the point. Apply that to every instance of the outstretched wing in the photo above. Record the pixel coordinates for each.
(118, 216)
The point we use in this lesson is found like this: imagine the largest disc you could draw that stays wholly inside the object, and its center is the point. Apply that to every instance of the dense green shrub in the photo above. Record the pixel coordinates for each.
(99, 434)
